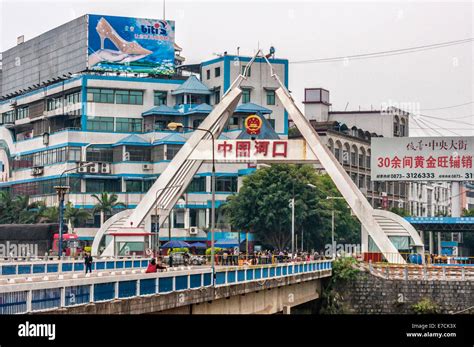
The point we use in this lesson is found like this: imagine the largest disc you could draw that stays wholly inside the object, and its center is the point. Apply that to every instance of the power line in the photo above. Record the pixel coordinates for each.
(386, 53)
(446, 107)
(445, 119)
(429, 126)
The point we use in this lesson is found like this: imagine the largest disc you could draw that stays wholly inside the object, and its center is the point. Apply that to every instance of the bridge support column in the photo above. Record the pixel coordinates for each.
(286, 309)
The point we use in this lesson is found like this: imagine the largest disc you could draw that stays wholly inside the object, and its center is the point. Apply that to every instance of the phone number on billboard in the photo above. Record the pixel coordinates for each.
(426, 175)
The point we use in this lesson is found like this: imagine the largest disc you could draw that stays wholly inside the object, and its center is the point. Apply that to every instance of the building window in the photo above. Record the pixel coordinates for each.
(172, 150)
(249, 71)
(129, 125)
(161, 124)
(53, 104)
(217, 71)
(100, 123)
(9, 117)
(226, 184)
(217, 96)
(368, 162)
(138, 153)
(100, 95)
(197, 123)
(22, 112)
(272, 123)
(158, 153)
(361, 160)
(270, 97)
(72, 98)
(245, 96)
(353, 159)
(198, 184)
(99, 155)
(99, 186)
(130, 97)
(160, 97)
(133, 186)
(208, 74)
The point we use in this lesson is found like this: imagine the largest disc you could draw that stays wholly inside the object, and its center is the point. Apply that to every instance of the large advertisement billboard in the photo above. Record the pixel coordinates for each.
(135, 45)
(422, 159)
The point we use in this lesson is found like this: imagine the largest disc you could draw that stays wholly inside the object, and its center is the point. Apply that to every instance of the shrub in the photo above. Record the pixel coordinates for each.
(216, 249)
(180, 250)
(425, 306)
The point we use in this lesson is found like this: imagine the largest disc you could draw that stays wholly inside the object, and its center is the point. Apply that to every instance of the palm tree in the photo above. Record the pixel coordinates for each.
(6, 208)
(75, 215)
(105, 205)
(49, 214)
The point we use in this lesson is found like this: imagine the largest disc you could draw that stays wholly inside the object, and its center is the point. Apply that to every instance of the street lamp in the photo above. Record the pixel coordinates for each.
(332, 223)
(174, 126)
(157, 223)
(61, 191)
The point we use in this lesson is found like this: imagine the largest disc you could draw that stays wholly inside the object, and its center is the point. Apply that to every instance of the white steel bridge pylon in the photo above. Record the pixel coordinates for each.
(172, 183)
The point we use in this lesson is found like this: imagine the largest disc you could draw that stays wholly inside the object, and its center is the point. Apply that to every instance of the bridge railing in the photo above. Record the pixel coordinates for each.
(66, 266)
(37, 296)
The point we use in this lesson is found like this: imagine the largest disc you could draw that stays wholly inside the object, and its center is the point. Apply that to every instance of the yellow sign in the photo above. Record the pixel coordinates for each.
(253, 124)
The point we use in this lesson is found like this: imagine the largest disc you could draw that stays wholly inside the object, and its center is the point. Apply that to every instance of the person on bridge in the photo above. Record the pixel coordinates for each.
(151, 266)
(88, 262)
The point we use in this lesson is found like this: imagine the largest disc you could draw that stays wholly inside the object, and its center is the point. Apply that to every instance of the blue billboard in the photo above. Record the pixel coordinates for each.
(135, 45)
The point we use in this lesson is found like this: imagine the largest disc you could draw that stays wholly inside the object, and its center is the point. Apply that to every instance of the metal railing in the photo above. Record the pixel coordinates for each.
(27, 295)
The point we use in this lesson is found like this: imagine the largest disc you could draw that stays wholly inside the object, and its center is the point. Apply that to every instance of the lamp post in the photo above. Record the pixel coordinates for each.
(61, 191)
(174, 126)
(333, 243)
(157, 223)
(332, 224)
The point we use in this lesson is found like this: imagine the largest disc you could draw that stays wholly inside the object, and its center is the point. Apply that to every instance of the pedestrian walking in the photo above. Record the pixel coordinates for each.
(88, 263)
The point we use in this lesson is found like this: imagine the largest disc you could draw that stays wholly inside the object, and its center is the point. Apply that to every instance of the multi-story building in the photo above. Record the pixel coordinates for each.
(348, 135)
(119, 121)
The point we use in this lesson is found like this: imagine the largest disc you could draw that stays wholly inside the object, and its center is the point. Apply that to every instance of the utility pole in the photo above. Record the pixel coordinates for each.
(292, 205)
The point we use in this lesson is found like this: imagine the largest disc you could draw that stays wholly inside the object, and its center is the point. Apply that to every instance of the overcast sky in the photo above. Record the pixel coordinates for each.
(304, 30)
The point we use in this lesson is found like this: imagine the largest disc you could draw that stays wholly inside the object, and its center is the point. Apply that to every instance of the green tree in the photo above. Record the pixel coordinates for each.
(105, 204)
(18, 210)
(400, 211)
(75, 215)
(468, 213)
(49, 214)
(262, 207)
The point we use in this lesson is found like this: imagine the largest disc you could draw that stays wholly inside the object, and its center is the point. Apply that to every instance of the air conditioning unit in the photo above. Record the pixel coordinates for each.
(105, 168)
(94, 168)
(193, 231)
(36, 171)
(147, 167)
(82, 169)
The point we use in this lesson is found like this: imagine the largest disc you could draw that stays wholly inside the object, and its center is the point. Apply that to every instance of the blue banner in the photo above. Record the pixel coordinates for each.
(134, 45)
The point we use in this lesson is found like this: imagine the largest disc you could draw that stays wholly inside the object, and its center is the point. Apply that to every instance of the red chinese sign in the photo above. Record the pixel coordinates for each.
(248, 149)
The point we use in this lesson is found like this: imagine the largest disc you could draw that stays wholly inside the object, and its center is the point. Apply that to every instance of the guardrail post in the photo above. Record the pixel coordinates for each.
(137, 289)
(463, 274)
(444, 272)
(91, 293)
(371, 268)
(405, 270)
(29, 297)
(424, 273)
(116, 286)
(63, 297)
(387, 272)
